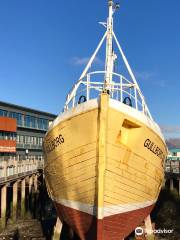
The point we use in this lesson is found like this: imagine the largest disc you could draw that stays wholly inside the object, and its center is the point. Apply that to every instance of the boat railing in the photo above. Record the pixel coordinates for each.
(120, 89)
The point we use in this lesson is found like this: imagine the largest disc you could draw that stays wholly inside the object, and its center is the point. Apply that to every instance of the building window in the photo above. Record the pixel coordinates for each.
(3, 113)
(40, 123)
(7, 136)
(17, 116)
(19, 119)
(30, 121)
(45, 124)
(27, 121)
(1, 135)
(40, 141)
(21, 139)
(33, 122)
(27, 139)
(32, 140)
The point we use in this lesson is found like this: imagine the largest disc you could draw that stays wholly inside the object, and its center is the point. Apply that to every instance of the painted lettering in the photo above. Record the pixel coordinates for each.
(53, 144)
(154, 149)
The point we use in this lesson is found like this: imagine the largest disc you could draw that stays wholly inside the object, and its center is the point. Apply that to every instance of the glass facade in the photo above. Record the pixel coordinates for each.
(42, 123)
(32, 140)
(20, 157)
(26, 120)
(3, 113)
(17, 116)
(29, 141)
(7, 136)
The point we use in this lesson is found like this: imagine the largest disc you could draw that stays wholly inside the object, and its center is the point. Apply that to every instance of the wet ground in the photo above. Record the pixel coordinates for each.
(39, 221)
(24, 230)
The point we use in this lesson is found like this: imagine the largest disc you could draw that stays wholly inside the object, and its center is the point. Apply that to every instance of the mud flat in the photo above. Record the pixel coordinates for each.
(23, 230)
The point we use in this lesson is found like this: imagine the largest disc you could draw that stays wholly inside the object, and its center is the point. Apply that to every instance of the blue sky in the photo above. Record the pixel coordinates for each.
(44, 44)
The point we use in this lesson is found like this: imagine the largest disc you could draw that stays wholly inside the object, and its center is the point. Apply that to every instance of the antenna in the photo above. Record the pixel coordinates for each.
(110, 2)
(109, 47)
(115, 6)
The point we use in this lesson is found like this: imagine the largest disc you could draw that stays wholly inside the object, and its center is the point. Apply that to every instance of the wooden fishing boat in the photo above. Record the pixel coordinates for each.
(104, 154)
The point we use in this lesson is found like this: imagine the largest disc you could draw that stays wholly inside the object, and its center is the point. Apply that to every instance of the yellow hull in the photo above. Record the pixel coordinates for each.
(103, 162)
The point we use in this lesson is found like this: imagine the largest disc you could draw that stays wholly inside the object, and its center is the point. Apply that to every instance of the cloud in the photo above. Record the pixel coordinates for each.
(80, 61)
(160, 83)
(151, 77)
(144, 75)
(170, 130)
(173, 143)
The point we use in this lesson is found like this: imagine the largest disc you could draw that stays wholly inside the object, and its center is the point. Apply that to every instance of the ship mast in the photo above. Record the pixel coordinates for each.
(109, 47)
(108, 84)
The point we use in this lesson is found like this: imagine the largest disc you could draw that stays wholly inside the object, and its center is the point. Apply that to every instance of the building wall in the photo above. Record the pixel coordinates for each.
(8, 124)
(21, 131)
(174, 153)
(8, 130)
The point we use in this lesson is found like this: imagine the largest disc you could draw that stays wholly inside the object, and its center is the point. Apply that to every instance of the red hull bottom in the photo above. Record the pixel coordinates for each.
(114, 227)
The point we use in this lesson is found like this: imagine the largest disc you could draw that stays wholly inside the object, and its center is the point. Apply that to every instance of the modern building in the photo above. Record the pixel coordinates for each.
(174, 154)
(173, 160)
(21, 131)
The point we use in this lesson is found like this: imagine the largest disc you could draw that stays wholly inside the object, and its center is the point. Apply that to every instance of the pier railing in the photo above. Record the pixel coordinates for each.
(12, 169)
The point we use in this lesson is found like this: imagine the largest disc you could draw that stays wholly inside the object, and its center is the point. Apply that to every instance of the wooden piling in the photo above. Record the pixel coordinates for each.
(57, 230)
(3, 206)
(15, 199)
(171, 184)
(148, 228)
(23, 192)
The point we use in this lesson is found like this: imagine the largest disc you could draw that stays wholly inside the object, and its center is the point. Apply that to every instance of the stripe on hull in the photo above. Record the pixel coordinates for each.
(107, 211)
(114, 227)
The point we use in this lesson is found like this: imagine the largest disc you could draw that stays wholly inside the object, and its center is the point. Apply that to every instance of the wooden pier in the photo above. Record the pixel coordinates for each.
(18, 180)
(172, 175)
